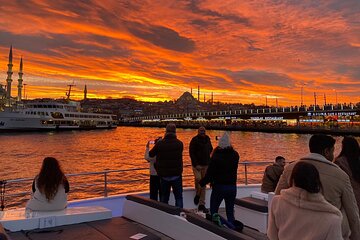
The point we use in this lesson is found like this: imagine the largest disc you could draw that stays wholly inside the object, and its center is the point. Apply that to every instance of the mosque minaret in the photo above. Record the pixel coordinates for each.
(9, 74)
(20, 80)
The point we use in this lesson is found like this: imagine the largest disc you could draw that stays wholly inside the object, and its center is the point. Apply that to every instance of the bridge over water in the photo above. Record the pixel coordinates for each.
(269, 113)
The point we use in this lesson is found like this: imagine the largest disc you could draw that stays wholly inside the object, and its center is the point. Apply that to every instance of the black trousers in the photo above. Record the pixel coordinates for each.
(155, 190)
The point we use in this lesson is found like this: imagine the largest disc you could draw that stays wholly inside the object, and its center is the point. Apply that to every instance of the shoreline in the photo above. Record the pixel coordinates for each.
(285, 130)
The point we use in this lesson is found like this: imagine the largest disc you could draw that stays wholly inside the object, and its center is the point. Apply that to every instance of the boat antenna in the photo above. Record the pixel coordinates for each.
(69, 91)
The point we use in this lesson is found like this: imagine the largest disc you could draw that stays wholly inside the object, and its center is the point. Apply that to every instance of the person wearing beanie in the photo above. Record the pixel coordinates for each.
(169, 165)
(200, 149)
(222, 174)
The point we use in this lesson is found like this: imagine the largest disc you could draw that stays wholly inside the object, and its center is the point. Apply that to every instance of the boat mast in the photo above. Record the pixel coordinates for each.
(69, 91)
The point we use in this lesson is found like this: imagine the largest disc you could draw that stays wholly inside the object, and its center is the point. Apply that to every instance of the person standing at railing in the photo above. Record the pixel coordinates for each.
(272, 175)
(50, 188)
(169, 165)
(200, 149)
(336, 184)
(222, 174)
(155, 191)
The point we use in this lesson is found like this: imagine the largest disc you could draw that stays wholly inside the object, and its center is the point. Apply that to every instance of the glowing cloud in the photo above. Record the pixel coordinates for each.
(242, 51)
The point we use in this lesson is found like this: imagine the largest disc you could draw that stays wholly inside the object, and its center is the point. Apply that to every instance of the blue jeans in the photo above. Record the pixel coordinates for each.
(227, 193)
(177, 188)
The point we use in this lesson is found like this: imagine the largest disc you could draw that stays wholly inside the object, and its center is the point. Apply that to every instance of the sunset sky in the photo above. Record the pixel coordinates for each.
(242, 51)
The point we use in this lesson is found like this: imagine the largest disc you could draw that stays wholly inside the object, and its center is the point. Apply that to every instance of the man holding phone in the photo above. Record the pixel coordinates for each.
(169, 165)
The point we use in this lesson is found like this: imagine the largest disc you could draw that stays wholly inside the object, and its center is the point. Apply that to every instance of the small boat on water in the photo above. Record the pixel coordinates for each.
(52, 115)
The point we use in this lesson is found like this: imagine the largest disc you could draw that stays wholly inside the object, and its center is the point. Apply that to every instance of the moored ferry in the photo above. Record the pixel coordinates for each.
(19, 115)
(52, 115)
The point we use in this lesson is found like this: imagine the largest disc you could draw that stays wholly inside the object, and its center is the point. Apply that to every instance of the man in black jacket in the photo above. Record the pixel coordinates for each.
(169, 165)
(200, 149)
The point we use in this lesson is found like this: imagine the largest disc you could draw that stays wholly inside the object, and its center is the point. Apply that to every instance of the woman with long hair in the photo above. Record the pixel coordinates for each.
(301, 211)
(349, 161)
(50, 187)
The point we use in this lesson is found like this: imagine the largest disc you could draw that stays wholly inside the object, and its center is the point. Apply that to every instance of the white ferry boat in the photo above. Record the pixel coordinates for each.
(52, 115)
(19, 115)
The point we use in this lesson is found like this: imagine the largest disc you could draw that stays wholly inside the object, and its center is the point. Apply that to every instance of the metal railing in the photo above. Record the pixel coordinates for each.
(245, 176)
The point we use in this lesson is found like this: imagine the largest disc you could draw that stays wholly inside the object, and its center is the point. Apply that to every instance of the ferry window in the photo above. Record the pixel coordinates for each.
(57, 115)
(66, 115)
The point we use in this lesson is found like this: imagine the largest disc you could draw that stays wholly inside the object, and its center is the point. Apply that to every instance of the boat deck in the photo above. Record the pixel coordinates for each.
(112, 229)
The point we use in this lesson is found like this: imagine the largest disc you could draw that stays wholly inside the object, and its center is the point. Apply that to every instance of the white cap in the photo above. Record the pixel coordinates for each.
(224, 141)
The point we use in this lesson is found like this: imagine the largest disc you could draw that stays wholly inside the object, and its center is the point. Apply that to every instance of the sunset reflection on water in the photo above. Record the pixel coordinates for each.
(21, 155)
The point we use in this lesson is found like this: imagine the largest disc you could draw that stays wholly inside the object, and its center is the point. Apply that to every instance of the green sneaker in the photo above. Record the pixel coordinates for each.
(216, 219)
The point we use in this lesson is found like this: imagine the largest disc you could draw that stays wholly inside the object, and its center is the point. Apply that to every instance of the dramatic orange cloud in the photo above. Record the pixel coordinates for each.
(241, 51)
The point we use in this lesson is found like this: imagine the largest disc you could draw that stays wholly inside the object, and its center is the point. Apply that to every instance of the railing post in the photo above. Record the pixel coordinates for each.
(105, 184)
(246, 177)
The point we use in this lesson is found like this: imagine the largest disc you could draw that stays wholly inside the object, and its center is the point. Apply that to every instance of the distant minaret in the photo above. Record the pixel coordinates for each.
(198, 93)
(277, 102)
(212, 97)
(9, 74)
(191, 91)
(324, 99)
(85, 92)
(204, 98)
(20, 80)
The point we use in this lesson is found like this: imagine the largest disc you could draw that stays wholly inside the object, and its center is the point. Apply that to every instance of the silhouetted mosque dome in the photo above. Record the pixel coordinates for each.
(186, 99)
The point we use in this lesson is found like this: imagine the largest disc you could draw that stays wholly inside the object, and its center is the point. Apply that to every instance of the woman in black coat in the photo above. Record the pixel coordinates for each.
(222, 174)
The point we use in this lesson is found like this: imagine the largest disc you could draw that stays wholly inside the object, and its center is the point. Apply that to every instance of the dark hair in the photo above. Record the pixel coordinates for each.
(306, 176)
(50, 177)
(319, 142)
(278, 158)
(351, 150)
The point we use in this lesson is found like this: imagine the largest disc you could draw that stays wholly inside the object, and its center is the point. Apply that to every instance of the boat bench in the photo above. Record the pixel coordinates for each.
(253, 210)
(155, 204)
(212, 227)
(22, 219)
(169, 220)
